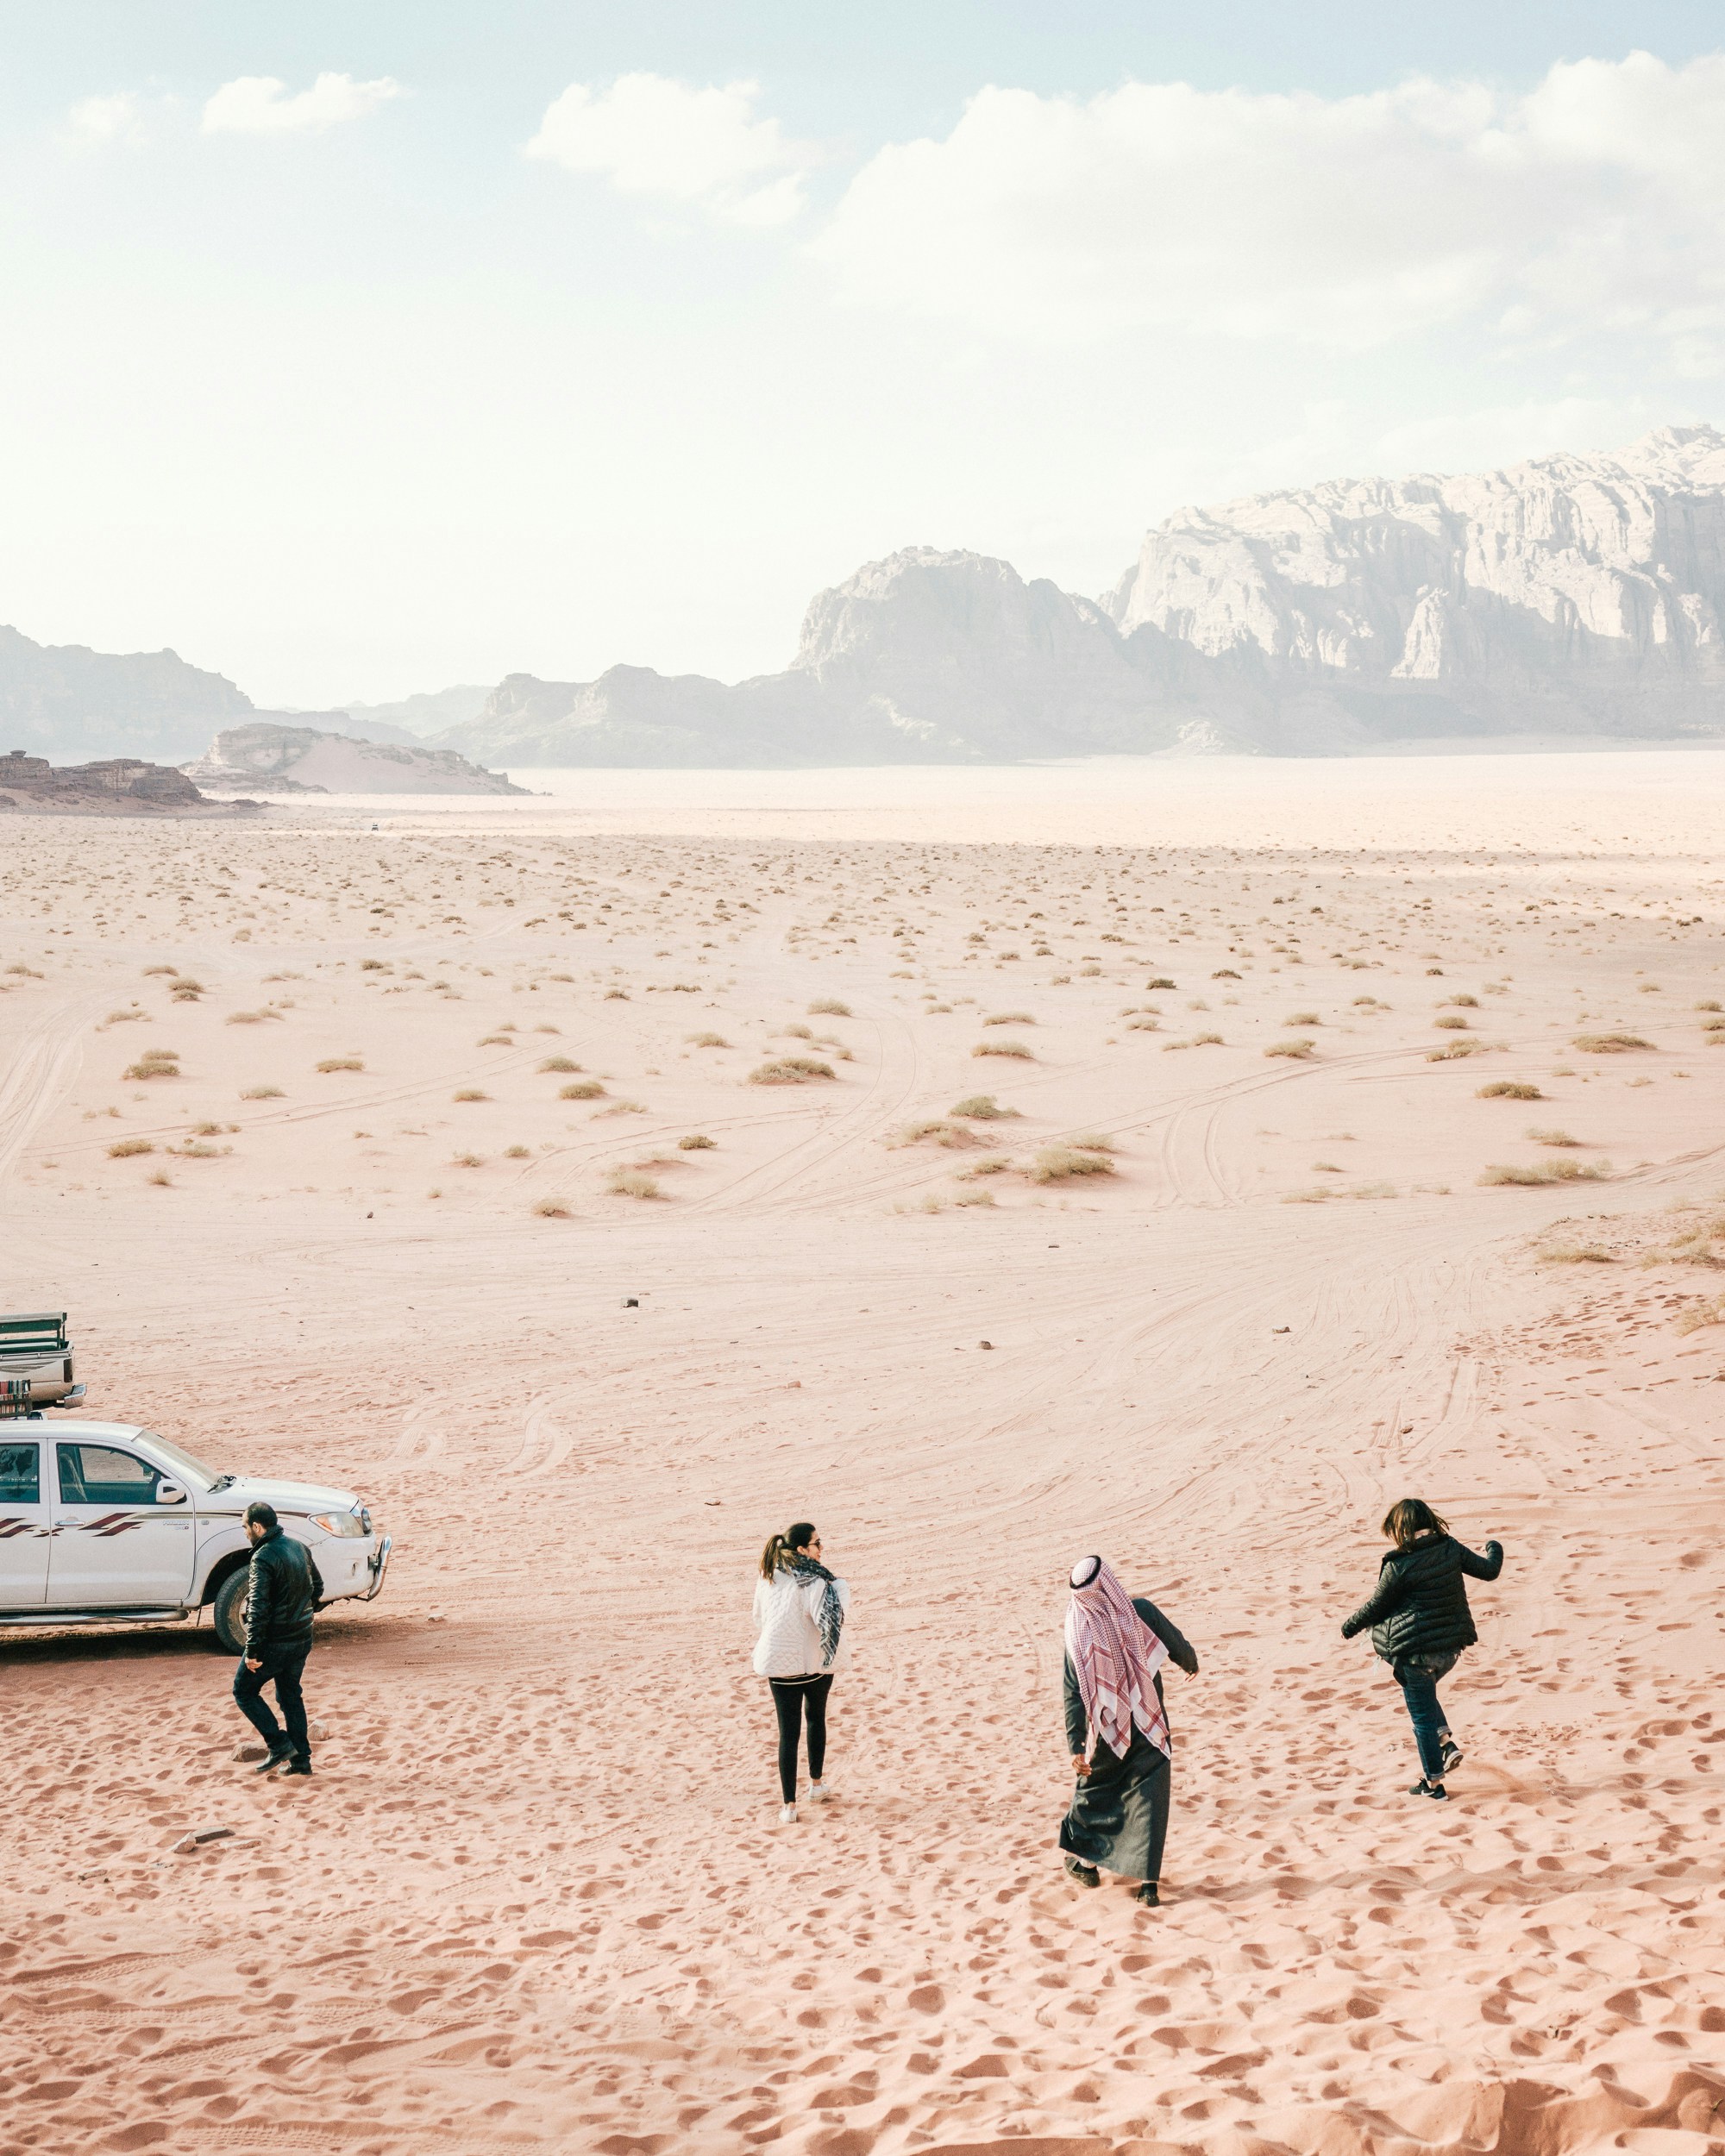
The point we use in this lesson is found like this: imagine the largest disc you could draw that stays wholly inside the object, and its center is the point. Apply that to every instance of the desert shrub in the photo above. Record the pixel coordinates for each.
(149, 970)
(496, 1040)
(935, 1127)
(372, 965)
(119, 1018)
(551, 1209)
(1450, 1051)
(1224, 973)
(696, 1142)
(1322, 1193)
(1552, 1137)
(262, 1093)
(1608, 1043)
(1092, 1142)
(1303, 1018)
(1713, 1025)
(623, 1108)
(1509, 1089)
(1160, 981)
(707, 1040)
(1546, 1171)
(195, 1150)
(466, 1160)
(789, 1070)
(556, 1063)
(517, 1152)
(996, 1165)
(1452, 1023)
(1144, 1025)
(162, 1179)
(128, 1148)
(340, 1062)
(973, 1198)
(1207, 1040)
(630, 1182)
(1058, 1163)
(1700, 1313)
(1574, 1254)
(1002, 1048)
(616, 995)
(157, 1063)
(465, 1094)
(796, 1032)
(829, 1007)
(1010, 1018)
(1299, 1051)
(583, 1089)
(982, 1107)
(1463, 1001)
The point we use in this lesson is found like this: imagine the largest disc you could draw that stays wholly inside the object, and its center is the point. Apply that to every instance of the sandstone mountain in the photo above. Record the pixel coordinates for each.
(1571, 596)
(263, 756)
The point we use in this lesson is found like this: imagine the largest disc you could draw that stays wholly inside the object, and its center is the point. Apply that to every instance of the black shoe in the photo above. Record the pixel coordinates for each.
(1085, 1874)
(278, 1757)
(1149, 1894)
(1421, 1788)
(1452, 1754)
(300, 1764)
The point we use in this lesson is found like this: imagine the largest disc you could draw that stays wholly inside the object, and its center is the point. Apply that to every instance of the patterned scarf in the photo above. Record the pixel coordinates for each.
(829, 1617)
(1115, 1656)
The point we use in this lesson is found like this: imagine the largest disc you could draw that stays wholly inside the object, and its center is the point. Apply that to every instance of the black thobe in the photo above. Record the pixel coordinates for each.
(1118, 1816)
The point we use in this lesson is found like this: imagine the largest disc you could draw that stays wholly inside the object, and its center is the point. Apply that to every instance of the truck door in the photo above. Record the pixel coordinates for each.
(115, 1543)
(24, 1523)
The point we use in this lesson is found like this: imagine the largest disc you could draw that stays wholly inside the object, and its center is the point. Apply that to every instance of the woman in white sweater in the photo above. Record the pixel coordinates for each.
(800, 1612)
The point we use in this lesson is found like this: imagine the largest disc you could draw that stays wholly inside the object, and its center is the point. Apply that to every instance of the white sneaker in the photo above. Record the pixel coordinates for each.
(817, 1792)
(787, 1815)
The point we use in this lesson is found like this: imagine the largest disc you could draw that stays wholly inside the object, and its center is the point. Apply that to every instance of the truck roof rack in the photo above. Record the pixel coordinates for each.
(32, 1333)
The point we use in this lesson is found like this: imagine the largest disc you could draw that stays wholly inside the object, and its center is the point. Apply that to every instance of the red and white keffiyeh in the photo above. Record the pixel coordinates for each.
(1115, 1656)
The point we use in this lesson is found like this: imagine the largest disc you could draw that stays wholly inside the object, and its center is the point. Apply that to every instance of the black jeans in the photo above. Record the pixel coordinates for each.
(1419, 1685)
(283, 1669)
(792, 1697)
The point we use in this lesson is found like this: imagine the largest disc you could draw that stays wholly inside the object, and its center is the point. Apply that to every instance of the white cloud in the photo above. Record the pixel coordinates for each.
(97, 121)
(260, 104)
(1597, 197)
(652, 137)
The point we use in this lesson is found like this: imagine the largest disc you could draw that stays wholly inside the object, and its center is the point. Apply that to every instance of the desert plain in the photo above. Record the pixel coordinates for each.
(1180, 1163)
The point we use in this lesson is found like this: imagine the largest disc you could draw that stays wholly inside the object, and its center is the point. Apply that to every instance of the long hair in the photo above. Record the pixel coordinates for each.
(1410, 1518)
(780, 1548)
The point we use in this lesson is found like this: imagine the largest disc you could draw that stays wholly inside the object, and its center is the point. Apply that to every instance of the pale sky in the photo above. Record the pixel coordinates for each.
(356, 349)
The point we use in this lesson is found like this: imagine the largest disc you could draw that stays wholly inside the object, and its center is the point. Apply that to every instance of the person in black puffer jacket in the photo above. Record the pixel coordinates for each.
(1420, 1623)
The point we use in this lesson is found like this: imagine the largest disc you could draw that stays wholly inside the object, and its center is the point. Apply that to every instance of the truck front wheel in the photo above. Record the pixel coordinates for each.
(228, 1614)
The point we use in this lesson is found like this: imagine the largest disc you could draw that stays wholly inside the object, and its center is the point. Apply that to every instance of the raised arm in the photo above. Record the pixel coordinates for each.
(1481, 1568)
(1180, 1652)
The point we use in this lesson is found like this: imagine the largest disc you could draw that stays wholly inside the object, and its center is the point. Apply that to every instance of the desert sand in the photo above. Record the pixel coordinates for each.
(1202, 1307)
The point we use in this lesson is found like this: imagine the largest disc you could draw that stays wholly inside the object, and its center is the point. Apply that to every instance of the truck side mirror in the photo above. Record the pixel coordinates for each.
(170, 1494)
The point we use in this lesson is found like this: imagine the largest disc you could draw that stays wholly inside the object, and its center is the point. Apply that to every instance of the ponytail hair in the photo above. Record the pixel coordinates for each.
(780, 1548)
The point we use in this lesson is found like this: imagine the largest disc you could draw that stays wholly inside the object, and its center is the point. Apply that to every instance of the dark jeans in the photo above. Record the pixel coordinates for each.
(792, 1699)
(1419, 1688)
(283, 1669)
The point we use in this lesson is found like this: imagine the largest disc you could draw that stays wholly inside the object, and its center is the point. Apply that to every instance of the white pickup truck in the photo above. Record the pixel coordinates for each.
(106, 1523)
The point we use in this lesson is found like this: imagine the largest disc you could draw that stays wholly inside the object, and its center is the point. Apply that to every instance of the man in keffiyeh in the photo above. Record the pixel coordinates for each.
(1117, 1728)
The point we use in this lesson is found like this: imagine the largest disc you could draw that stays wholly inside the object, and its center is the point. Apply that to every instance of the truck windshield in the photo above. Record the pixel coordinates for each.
(193, 1470)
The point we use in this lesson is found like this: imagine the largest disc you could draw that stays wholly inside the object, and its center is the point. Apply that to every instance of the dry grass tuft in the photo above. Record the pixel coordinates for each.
(1160, 981)
(1058, 1164)
(1322, 1193)
(789, 1070)
(935, 1127)
(1509, 1089)
(1452, 1051)
(128, 1148)
(616, 995)
(1297, 1051)
(1003, 1048)
(262, 1093)
(585, 1089)
(517, 1152)
(797, 1032)
(1092, 1142)
(1452, 1023)
(696, 1142)
(550, 1209)
(630, 1182)
(1547, 1171)
(467, 1093)
(466, 1160)
(156, 1062)
(340, 1062)
(1700, 1313)
(973, 1198)
(1551, 1138)
(1608, 1043)
(982, 1107)
(623, 1108)
(1574, 1254)
(162, 1179)
(1464, 1001)
(1303, 1018)
(829, 1007)
(707, 1040)
(1010, 1018)
(557, 1063)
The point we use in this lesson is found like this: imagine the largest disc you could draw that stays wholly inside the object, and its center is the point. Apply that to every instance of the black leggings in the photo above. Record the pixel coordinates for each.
(790, 1697)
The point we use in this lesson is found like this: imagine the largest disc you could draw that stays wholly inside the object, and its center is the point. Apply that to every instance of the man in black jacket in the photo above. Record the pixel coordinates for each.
(286, 1588)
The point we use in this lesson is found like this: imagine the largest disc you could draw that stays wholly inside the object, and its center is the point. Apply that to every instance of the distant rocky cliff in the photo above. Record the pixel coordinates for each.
(263, 756)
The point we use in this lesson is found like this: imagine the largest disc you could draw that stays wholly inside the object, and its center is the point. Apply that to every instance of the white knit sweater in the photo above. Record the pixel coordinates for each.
(788, 1641)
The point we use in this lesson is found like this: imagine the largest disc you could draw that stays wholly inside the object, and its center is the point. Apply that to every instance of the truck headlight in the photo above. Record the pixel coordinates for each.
(345, 1524)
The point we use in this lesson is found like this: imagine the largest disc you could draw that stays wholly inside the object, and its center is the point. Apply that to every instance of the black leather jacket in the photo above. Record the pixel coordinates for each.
(1420, 1603)
(286, 1587)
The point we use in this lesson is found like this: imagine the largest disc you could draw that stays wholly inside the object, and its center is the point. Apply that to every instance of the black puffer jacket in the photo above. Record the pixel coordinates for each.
(1420, 1603)
(285, 1588)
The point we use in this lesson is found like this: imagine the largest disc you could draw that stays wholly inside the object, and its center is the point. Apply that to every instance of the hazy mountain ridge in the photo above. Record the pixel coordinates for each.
(1573, 596)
